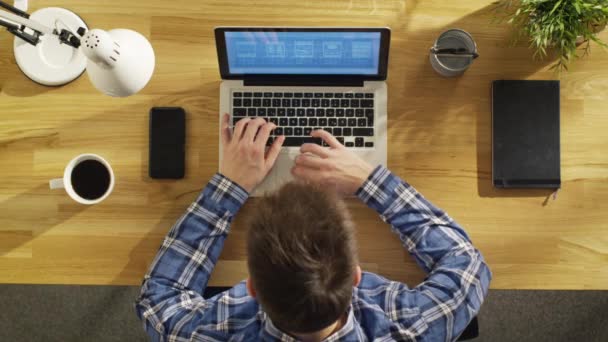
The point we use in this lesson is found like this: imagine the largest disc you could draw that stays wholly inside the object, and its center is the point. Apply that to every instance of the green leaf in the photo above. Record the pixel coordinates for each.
(555, 7)
(553, 26)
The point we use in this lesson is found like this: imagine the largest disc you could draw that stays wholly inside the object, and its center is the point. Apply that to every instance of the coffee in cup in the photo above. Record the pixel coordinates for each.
(88, 179)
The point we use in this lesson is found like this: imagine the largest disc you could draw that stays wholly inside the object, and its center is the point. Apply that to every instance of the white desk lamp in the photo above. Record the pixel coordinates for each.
(53, 46)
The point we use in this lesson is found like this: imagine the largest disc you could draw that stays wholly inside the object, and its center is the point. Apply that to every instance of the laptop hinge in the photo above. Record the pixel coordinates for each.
(304, 82)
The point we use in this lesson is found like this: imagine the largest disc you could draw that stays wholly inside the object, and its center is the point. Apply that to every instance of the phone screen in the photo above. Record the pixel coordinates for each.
(167, 142)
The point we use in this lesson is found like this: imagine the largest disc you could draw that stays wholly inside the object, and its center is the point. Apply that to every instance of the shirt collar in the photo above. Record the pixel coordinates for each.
(347, 328)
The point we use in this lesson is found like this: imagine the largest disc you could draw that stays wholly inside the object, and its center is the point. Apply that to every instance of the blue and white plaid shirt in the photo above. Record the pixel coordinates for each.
(173, 309)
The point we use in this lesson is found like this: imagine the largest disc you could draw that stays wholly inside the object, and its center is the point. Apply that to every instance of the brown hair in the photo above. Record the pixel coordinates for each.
(302, 257)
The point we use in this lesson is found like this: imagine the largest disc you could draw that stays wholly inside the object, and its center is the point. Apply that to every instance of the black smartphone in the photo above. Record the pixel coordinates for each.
(167, 142)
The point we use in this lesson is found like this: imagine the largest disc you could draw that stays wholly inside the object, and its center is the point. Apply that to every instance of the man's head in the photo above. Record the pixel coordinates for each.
(302, 258)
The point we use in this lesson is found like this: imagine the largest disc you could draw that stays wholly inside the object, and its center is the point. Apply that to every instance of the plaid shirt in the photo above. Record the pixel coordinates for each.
(173, 309)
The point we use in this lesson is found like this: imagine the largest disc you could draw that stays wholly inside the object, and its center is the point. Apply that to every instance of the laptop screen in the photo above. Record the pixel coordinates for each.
(321, 52)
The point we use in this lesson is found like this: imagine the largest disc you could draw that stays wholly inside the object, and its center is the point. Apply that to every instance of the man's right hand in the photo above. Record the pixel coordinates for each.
(334, 166)
(246, 160)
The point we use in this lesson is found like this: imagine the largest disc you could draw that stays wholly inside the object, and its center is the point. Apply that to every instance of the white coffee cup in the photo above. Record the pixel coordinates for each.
(66, 181)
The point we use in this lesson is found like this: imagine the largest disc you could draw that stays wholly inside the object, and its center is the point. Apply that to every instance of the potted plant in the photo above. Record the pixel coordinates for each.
(561, 26)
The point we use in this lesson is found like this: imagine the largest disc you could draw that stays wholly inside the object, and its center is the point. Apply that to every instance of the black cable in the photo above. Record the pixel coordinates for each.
(14, 10)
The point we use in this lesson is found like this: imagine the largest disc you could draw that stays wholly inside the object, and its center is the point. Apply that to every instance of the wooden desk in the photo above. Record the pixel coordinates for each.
(439, 140)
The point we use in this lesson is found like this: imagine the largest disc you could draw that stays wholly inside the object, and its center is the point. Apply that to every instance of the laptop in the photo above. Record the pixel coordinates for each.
(303, 79)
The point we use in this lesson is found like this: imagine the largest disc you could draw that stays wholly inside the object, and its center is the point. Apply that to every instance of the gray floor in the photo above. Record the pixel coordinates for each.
(105, 313)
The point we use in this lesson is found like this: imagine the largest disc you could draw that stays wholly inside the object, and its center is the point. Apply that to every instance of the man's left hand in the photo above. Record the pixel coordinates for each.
(245, 159)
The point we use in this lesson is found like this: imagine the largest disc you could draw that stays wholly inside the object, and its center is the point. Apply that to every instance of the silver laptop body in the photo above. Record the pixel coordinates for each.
(253, 45)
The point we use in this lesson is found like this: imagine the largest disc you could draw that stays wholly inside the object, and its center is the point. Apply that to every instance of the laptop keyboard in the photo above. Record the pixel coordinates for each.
(348, 116)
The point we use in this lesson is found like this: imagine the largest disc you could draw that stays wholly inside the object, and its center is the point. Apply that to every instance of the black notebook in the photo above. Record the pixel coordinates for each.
(525, 134)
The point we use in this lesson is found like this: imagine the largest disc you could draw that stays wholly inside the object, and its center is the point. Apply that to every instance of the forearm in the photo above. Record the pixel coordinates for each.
(188, 254)
(191, 248)
(458, 277)
(427, 232)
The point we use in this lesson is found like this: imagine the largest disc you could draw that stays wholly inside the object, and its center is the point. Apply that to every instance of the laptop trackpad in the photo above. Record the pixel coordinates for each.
(284, 164)
(280, 173)
(267, 184)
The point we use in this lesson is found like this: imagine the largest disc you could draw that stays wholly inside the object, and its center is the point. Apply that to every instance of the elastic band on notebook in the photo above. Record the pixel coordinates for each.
(554, 196)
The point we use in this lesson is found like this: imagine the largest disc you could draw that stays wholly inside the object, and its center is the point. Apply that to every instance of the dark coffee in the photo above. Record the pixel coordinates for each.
(90, 179)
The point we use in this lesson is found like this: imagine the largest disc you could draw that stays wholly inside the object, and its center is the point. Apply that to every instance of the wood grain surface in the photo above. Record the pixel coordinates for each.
(439, 141)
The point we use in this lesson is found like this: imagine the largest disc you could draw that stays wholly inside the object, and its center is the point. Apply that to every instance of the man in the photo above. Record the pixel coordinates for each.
(305, 283)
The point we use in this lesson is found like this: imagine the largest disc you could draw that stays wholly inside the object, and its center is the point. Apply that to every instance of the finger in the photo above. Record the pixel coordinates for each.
(315, 149)
(225, 132)
(327, 137)
(263, 134)
(252, 129)
(239, 128)
(307, 173)
(311, 161)
(273, 151)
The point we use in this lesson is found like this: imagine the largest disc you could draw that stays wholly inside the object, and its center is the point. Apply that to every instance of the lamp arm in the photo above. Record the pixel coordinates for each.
(32, 38)
(19, 8)
(6, 16)
(18, 21)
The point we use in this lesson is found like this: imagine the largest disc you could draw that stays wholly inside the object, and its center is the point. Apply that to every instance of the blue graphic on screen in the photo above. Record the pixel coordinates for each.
(341, 53)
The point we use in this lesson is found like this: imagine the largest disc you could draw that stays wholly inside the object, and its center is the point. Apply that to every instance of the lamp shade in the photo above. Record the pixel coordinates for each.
(120, 62)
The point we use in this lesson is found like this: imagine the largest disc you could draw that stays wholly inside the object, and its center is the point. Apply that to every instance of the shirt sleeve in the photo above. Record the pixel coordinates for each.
(458, 277)
(173, 286)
